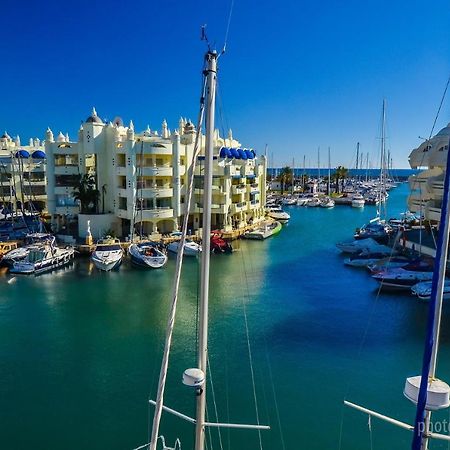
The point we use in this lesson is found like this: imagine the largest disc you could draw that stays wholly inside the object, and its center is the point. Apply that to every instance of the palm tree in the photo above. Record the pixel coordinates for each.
(340, 175)
(285, 177)
(86, 193)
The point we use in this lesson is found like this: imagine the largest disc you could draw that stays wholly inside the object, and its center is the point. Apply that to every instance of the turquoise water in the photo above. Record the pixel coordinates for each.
(80, 350)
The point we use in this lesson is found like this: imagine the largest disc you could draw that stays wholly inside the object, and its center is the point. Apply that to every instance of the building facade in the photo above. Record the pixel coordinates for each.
(142, 178)
(22, 174)
(427, 187)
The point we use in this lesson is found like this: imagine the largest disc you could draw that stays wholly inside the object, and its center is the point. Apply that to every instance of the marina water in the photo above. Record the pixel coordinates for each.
(80, 350)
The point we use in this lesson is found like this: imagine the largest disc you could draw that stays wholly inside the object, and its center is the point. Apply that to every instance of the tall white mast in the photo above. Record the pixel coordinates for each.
(329, 172)
(211, 76)
(293, 175)
(318, 167)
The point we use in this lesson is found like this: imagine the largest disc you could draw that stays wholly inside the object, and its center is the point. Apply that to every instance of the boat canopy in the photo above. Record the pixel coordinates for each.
(22, 154)
(38, 154)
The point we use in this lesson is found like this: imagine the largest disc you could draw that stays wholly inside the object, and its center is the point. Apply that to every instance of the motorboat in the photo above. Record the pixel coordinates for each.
(365, 259)
(147, 254)
(389, 263)
(191, 248)
(380, 231)
(219, 244)
(423, 290)
(43, 257)
(302, 201)
(278, 214)
(401, 278)
(357, 246)
(264, 231)
(416, 265)
(20, 253)
(358, 201)
(327, 202)
(6, 247)
(108, 254)
(314, 202)
(289, 201)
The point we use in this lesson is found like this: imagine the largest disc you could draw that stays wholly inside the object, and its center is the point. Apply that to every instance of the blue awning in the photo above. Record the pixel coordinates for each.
(242, 153)
(38, 154)
(237, 176)
(250, 154)
(225, 152)
(22, 154)
(251, 175)
(234, 153)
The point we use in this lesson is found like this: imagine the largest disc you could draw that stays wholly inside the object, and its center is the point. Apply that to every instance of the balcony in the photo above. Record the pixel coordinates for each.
(67, 210)
(158, 192)
(66, 170)
(437, 188)
(123, 213)
(253, 188)
(157, 213)
(157, 171)
(433, 212)
(158, 149)
(238, 189)
(63, 190)
(238, 207)
(216, 208)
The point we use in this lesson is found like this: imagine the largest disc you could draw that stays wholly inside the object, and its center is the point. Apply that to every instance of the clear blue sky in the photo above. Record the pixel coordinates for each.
(297, 74)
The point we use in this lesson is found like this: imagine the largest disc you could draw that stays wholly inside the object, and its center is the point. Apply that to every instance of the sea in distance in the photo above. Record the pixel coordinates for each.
(401, 174)
(80, 350)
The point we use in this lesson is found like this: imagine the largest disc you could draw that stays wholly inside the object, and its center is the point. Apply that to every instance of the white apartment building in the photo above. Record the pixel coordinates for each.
(427, 187)
(142, 178)
(22, 174)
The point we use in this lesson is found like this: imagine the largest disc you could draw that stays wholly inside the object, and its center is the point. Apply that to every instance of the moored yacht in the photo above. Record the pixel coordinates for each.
(264, 231)
(356, 246)
(278, 214)
(43, 257)
(147, 254)
(20, 253)
(108, 254)
(358, 201)
(401, 278)
(191, 248)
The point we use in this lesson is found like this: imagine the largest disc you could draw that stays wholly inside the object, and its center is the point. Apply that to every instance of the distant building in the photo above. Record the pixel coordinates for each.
(142, 178)
(22, 174)
(427, 187)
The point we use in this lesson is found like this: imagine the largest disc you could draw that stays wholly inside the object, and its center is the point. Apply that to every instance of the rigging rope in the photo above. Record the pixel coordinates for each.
(249, 348)
(228, 27)
(214, 402)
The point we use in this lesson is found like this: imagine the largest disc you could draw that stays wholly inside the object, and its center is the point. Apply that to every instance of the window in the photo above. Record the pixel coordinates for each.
(123, 203)
(66, 180)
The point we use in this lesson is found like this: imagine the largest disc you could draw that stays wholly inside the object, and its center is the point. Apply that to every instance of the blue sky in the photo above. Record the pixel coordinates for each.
(297, 74)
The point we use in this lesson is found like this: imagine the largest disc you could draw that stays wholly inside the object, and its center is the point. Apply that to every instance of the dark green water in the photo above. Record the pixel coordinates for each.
(80, 350)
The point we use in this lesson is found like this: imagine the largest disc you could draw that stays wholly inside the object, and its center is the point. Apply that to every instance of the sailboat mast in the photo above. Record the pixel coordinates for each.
(211, 75)
(293, 175)
(423, 417)
(318, 167)
(329, 172)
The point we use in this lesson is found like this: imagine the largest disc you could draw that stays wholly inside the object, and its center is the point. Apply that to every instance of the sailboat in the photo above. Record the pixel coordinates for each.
(195, 378)
(426, 391)
(144, 253)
